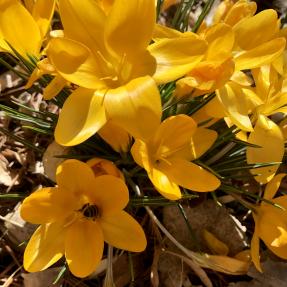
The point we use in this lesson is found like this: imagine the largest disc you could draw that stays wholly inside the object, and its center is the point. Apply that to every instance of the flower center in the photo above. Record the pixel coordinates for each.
(90, 211)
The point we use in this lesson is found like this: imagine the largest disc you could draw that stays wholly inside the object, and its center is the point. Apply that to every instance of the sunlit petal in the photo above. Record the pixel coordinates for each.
(45, 247)
(240, 10)
(269, 137)
(261, 55)
(174, 135)
(140, 154)
(164, 185)
(47, 205)
(77, 178)
(128, 105)
(235, 105)
(190, 175)
(220, 40)
(82, 115)
(176, 57)
(130, 26)
(54, 87)
(254, 31)
(161, 32)
(123, 231)
(75, 63)
(19, 28)
(84, 245)
(201, 141)
(272, 186)
(109, 193)
(83, 21)
(42, 13)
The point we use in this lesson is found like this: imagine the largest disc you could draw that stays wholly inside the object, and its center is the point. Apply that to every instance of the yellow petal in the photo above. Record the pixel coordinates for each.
(115, 136)
(254, 31)
(82, 115)
(75, 63)
(161, 32)
(279, 251)
(214, 244)
(235, 105)
(164, 185)
(201, 141)
(220, 40)
(130, 104)
(255, 247)
(84, 245)
(123, 231)
(76, 178)
(221, 10)
(174, 136)
(215, 108)
(43, 67)
(47, 205)
(269, 137)
(264, 77)
(190, 175)
(272, 186)
(19, 28)
(102, 166)
(43, 11)
(272, 228)
(83, 22)
(130, 26)
(176, 57)
(241, 79)
(110, 194)
(45, 247)
(240, 10)
(54, 87)
(211, 75)
(261, 55)
(140, 154)
(275, 104)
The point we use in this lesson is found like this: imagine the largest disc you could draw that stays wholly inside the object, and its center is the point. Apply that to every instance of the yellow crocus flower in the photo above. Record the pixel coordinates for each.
(167, 157)
(270, 223)
(25, 32)
(109, 57)
(77, 217)
(269, 97)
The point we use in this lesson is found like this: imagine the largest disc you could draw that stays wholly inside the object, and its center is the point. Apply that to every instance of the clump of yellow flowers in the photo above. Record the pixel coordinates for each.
(179, 111)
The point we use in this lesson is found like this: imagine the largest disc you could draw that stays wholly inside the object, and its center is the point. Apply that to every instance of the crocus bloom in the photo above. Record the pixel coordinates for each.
(108, 55)
(166, 157)
(248, 52)
(77, 217)
(269, 97)
(270, 223)
(24, 31)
